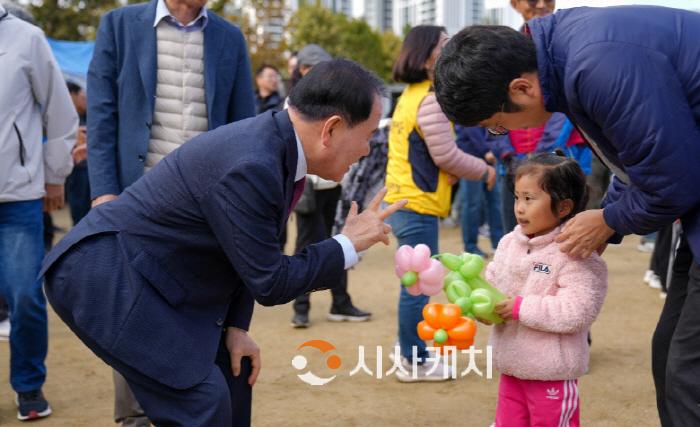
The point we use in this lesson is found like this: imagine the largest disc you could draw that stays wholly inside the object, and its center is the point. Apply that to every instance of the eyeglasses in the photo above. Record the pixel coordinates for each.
(498, 130)
(533, 3)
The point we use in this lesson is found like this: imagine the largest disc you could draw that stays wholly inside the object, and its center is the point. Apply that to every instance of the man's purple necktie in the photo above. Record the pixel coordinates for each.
(298, 189)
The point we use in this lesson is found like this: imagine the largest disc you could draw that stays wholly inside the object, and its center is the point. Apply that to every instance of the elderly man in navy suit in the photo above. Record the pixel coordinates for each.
(180, 257)
(162, 73)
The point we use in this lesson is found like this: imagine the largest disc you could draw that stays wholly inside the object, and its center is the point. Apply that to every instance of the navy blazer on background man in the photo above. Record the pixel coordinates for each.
(185, 250)
(121, 89)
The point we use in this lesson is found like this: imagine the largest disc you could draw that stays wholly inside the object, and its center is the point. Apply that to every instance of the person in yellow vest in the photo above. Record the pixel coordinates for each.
(424, 161)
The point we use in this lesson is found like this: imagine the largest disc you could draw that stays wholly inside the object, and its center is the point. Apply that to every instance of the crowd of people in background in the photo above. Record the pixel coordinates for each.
(188, 72)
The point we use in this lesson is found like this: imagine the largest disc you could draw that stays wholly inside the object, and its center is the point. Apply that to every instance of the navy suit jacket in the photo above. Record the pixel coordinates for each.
(121, 89)
(198, 240)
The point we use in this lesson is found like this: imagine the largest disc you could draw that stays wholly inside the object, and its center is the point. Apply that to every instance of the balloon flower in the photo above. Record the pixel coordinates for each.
(445, 326)
(419, 273)
(465, 287)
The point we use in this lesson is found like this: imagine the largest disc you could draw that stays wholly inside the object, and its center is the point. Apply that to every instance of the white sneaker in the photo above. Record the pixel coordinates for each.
(449, 222)
(5, 330)
(428, 371)
(484, 230)
(648, 275)
(647, 247)
(655, 282)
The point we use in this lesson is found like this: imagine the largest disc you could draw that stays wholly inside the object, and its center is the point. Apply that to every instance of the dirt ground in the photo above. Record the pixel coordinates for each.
(618, 390)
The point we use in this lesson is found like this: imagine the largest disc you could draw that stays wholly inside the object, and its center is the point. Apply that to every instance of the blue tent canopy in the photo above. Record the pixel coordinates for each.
(73, 58)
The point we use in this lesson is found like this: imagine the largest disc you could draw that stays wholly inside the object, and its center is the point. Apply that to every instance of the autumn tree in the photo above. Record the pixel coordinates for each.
(344, 37)
(262, 25)
(70, 19)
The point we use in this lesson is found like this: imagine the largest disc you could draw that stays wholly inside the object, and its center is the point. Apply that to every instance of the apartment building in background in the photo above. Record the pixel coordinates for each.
(452, 14)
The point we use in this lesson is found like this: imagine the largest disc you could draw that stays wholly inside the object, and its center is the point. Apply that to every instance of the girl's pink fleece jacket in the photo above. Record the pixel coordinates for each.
(558, 298)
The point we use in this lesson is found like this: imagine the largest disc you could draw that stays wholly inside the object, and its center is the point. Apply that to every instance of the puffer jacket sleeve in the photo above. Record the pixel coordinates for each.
(636, 98)
(582, 285)
(615, 190)
(440, 140)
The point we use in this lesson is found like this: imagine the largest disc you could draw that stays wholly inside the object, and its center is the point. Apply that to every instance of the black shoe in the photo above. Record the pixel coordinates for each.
(300, 320)
(348, 313)
(32, 405)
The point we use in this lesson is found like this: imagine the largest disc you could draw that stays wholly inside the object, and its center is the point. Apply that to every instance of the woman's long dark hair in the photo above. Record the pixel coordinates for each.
(416, 49)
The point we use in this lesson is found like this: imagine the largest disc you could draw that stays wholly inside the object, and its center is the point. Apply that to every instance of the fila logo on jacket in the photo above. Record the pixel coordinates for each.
(540, 267)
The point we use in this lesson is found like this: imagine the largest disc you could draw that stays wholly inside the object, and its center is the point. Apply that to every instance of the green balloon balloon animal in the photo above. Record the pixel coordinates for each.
(464, 286)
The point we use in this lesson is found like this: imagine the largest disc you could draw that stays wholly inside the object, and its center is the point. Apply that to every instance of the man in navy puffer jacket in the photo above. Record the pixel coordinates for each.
(629, 79)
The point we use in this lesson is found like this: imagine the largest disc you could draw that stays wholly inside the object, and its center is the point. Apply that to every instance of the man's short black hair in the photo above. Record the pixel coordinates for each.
(475, 68)
(339, 87)
(73, 87)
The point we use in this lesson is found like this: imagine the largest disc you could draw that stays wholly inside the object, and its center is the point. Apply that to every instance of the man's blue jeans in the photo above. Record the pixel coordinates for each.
(473, 195)
(21, 253)
(411, 228)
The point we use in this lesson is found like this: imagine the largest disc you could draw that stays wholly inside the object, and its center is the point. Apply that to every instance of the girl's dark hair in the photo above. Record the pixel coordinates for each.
(416, 49)
(561, 177)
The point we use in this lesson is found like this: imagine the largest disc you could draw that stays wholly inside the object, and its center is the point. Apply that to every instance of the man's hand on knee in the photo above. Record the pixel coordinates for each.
(239, 345)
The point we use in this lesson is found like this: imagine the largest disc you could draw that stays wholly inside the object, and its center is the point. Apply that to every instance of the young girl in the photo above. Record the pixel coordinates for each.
(541, 349)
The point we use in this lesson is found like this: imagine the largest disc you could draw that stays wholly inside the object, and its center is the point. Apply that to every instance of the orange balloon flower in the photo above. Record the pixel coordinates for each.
(446, 327)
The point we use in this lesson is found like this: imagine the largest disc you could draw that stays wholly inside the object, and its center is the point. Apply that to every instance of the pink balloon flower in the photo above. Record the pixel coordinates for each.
(418, 272)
